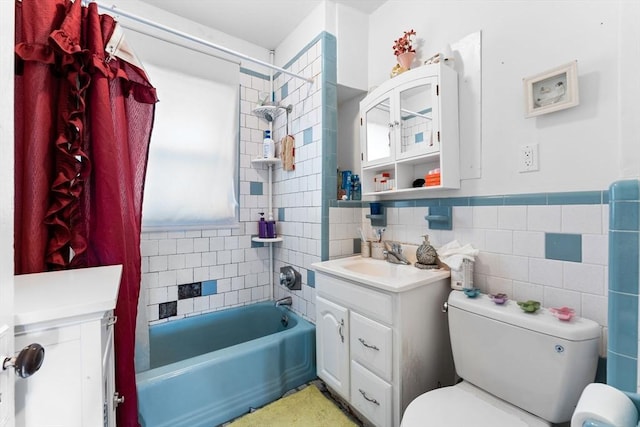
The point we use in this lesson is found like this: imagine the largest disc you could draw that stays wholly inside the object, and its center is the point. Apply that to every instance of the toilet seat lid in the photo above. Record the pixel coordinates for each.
(465, 405)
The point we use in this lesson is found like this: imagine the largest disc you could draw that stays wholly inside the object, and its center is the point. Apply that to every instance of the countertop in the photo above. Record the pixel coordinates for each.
(380, 274)
(41, 297)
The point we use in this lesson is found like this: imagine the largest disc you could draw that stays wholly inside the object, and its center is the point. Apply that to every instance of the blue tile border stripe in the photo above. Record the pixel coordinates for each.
(624, 285)
(562, 198)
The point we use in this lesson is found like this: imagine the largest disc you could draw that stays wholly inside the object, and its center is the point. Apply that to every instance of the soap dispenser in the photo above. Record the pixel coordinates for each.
(426, 255)
(262, 227)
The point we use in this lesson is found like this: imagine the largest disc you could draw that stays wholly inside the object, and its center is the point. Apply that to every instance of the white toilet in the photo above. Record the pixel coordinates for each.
(518, 369)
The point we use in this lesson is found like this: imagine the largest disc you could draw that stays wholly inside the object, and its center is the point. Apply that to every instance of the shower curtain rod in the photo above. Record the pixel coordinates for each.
(119, 12)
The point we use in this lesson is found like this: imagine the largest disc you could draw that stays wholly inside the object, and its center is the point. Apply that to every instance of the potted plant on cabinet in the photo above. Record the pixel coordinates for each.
(404, 50)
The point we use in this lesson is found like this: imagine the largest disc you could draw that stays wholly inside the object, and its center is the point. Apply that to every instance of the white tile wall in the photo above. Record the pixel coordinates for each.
(512, 259)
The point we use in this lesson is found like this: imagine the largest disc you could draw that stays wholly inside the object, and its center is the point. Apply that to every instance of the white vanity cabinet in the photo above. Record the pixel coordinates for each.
(409, 126)
(69, 313)
(380, 348)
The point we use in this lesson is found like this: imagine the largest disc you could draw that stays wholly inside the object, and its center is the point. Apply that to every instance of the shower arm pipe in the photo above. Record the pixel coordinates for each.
(119, 12)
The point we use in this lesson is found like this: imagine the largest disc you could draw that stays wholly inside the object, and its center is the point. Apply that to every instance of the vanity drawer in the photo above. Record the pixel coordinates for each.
(371, 345)
(374, 304)
(370, 395)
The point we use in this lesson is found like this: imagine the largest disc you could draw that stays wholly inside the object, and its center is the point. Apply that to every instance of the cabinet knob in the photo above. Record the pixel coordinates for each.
(27, 362)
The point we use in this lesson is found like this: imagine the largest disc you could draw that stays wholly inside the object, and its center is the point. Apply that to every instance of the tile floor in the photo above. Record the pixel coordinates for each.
(325, 391)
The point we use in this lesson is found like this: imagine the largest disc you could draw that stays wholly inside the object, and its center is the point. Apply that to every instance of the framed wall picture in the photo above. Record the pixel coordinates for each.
(552, 90)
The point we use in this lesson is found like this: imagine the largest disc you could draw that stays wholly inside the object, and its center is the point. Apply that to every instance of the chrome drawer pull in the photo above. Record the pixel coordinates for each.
(340, 330)
(364, 343)
(367, 398)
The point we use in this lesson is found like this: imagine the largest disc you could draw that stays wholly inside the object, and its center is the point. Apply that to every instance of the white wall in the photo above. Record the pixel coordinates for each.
(580, 148)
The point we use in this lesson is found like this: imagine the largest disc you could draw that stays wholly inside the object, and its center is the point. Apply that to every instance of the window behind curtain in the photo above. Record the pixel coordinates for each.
(192, 175)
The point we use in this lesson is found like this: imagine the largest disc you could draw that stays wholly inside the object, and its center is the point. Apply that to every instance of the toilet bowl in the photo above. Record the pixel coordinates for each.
(517, 368)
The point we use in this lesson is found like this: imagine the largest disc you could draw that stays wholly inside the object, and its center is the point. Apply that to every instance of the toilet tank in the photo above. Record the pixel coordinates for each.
(531, 360)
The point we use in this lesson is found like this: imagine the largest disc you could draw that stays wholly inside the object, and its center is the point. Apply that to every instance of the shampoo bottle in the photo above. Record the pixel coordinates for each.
(271, 227)
(268, 146)
(262, 227)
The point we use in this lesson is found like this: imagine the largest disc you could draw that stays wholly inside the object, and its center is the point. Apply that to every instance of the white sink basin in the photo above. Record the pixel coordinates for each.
(380, 274)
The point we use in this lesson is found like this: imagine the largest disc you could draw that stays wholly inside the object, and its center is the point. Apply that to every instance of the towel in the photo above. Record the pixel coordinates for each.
(288, 153)
(453, 254)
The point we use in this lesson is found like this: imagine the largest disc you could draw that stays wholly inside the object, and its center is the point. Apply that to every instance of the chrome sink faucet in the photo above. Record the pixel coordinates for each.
(284, 301)
(395, 256)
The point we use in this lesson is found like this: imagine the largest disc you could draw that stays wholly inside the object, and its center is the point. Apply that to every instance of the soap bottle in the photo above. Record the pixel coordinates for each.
(271, 227)
(262, 227)
(356, 188)
(268, 146)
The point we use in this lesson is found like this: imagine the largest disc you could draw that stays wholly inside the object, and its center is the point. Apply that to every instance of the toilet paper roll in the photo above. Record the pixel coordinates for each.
(604, 405)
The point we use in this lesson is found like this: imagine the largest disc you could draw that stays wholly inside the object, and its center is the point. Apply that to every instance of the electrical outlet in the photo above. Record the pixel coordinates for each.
(528, 158)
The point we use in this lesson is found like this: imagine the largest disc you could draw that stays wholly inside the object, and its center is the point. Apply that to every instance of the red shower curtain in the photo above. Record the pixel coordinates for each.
(83, 124)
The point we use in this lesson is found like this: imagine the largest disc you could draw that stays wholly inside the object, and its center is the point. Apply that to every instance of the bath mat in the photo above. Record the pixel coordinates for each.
(305, 408)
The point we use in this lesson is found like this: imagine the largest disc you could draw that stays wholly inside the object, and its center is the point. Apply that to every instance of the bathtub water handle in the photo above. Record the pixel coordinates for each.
(340, 330)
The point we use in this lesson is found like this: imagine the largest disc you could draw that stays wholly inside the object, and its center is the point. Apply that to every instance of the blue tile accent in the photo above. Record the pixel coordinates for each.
(311, 278)
(575, 198)
(356, 246)
(419, 137)
(284, 90)
(307, 136)
(254, 73)
(623, 318)
(526, 199)
(421, 203)
(255, 188)
(624, 215)
(329, 131)
(280, 214)
(622, 372)
(347, 203)
(443, 211)
(256, 244)
(455, 201)
(624, 248)
(486, 201)
(209, 287)
(625, 190)
(563, 247)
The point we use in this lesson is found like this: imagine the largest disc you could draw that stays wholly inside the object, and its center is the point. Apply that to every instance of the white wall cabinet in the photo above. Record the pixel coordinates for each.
(378, 349)
(409, 126)
(69, 313)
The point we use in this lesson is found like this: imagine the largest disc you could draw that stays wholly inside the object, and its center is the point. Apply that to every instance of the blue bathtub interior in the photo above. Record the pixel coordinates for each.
(208, 369)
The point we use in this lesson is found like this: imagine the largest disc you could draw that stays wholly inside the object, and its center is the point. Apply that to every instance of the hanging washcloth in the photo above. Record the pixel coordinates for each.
(288, 153)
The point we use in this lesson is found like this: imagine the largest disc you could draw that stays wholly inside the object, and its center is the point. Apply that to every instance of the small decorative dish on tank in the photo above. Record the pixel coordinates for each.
(471, 292)
(529, 306)
(563, 313)
(498, 298)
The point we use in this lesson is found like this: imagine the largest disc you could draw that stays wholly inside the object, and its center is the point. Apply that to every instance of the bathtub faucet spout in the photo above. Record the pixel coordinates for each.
(284, 301)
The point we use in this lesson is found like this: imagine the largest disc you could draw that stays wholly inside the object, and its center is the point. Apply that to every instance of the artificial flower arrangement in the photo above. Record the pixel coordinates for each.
(404, 44)
(404, 51)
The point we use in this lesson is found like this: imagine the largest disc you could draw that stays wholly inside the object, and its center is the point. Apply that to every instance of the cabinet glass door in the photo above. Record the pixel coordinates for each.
(418, 121)
(377, 133)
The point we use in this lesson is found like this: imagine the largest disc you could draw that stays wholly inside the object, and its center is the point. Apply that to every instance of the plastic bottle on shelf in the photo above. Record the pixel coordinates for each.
(268, 146)
(262, 227)
(356, 188)
(271, 227)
